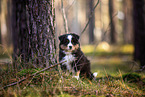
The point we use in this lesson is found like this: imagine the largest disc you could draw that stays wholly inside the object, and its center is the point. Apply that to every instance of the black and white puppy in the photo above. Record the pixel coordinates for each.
(72, 58)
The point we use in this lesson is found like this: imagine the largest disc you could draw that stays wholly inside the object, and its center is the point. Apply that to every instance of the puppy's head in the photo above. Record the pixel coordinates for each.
(69, 42)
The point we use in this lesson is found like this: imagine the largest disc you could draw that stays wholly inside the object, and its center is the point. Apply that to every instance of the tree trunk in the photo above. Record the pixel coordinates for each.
(8, 23)
(127, 27)
(112, 22)
(0, 23)
(139, 31)
(91, 23)
(34, 33)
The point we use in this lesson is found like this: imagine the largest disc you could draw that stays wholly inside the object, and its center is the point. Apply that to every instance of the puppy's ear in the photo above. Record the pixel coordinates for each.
(61, 37)
(76, 36)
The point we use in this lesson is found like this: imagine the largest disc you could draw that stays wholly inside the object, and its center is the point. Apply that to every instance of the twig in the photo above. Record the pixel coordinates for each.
(29, 82)
(140, 70)
(15, 83)
(64, 17)
(91, 14)
(133, 64)
(67, 8)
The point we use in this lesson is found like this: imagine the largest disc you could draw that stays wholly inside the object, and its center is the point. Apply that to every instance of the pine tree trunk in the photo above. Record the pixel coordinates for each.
(92, 23)
(127, 28)
(34, 33)
(112, 22)
(0, 24)
(139, 31)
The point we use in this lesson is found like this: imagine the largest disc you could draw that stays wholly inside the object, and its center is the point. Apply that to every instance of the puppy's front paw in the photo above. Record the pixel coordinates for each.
(77, 77)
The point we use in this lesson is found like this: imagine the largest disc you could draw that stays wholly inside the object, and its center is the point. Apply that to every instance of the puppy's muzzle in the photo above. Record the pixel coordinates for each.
(70, 47)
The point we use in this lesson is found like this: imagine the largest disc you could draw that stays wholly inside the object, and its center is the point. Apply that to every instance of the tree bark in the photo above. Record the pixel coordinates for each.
(34, 33)
(0, 23)
(127, 27)
(112, 22)
(92, 22)
(139, 31)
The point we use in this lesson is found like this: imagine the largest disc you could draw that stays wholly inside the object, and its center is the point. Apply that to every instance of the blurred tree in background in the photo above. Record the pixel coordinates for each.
(127, 23)
(112, 22)
(92, 22)
(5, 23)
(33, 33)
(139, 31)
(0, 24)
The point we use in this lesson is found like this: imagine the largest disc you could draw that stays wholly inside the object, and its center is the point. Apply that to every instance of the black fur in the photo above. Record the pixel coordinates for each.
(80, 63)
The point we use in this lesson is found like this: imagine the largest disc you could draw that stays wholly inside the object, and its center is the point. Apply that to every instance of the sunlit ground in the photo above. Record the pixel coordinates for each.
(111, 60)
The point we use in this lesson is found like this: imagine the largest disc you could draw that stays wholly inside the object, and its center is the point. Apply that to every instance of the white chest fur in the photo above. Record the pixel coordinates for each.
(68, 59)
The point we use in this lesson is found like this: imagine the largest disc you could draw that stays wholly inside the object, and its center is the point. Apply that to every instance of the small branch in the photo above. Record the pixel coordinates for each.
(15, 83)
(91, 14)
(67, 8)
(140, 70)
(29, 82)
(64, 17)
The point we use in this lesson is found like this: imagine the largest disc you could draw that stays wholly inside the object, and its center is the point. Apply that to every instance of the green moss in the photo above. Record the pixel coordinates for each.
(24, 72)
(131, 77)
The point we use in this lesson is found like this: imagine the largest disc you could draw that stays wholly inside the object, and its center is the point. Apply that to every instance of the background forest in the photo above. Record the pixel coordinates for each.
(112, 36)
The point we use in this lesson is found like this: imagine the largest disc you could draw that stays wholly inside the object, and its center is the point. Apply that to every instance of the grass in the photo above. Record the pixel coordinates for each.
(116, 77)
(52, 83)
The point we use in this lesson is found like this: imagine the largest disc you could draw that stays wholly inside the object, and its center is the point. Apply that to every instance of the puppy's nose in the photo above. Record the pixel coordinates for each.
(70, 47)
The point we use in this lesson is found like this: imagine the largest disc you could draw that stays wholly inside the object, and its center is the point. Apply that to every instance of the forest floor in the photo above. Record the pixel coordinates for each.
(116, 70)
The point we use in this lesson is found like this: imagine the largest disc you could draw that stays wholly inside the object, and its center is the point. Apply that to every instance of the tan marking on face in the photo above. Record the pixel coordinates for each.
(74, 47)
(63, 47)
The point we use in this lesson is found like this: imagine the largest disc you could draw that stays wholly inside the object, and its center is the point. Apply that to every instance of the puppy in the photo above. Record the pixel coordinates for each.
(72, 58)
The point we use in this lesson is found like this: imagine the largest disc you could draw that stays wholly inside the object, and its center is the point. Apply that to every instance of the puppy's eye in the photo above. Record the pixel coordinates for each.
(67, 40)
(74, 41)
